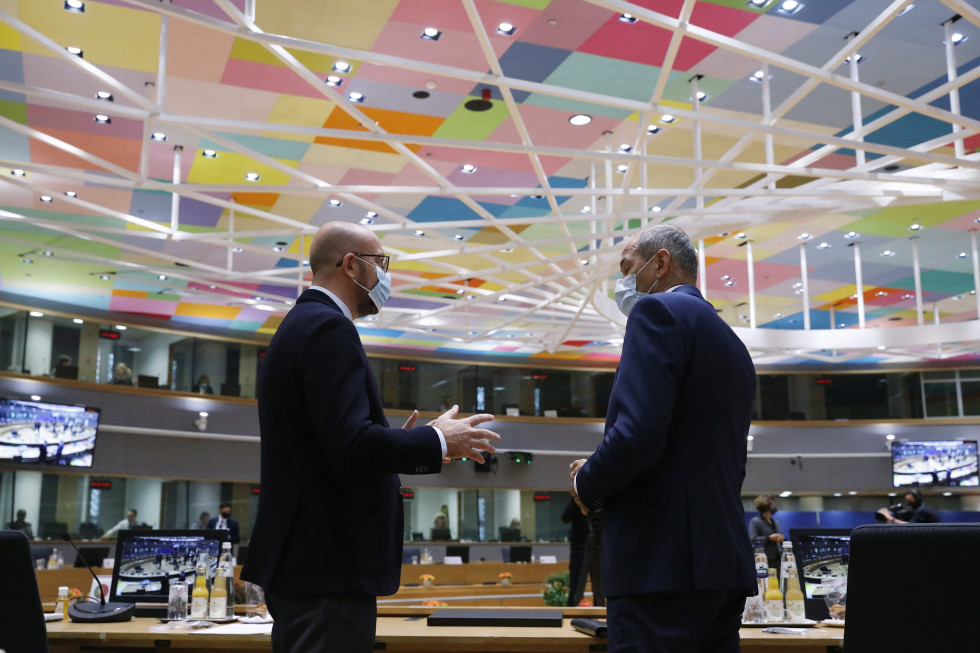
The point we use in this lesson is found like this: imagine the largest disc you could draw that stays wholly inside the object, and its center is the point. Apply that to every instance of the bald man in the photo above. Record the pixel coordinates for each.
(328, 536)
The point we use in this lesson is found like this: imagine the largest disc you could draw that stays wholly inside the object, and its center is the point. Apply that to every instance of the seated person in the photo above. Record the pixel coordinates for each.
(440, 528)
(122, 375)
(203, 385)
(21, 524)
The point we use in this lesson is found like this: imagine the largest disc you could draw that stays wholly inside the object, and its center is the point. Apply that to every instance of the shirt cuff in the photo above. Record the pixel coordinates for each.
(575, 484)
(442, 440)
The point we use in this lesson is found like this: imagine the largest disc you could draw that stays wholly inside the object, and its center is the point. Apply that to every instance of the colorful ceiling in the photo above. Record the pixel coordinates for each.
(177, 163)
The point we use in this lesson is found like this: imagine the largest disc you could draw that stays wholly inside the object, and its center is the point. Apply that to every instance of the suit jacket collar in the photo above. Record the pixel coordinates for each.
(686, 289)
(310, 295)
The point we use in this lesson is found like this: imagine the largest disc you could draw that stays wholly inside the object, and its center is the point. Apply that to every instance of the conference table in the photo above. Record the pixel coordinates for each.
(404, 633)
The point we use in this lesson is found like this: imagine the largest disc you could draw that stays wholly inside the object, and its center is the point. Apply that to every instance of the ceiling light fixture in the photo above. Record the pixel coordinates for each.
(726, 277)
(823, 246)
(701, 96)
(667, 118)
(102, 119)
(75, 51)
(758, 4)
(27, 260)
(789, 7)
(105, 96)
(622, 168)
(957, 38)
(458, 237)
(804, 236)
(580, 119)
(341, 67)
(159, 137)
(71, 193)
(506, 29)
(419, 232)
(909, 7)
(656, 209)
(851, 235)
(78, 320)
(46, 198)
(209, 154)
(333, 80)
(740, 235)
(162, 277)
(17, 172)
(730, 283)
(251, 176)
(431, 34)
(915, 226)
(121, 327)
(468, 168)
(355, 97)
(629, 19)
(335, 203)
(104, 277)
(653, 129)
(888, 253)
(857, 57)
(367, 221)
(36, 314)
(277, 248)
(236, 250)
(75, 6)
(625, 147)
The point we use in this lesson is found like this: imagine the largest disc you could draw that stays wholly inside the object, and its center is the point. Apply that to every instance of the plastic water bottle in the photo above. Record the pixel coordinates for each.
(788, 563)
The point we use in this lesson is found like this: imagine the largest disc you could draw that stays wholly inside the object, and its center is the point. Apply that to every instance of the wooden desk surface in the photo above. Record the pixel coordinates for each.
(405, 635)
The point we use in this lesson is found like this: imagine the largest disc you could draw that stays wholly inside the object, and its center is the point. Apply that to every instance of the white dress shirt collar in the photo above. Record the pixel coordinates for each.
(336, 299)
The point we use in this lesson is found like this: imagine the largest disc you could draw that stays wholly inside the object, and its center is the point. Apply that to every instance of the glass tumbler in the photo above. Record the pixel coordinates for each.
(177, 604)
(255, 601)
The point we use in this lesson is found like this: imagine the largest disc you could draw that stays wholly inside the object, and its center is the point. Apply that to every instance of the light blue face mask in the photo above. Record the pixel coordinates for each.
(626, 293)
(382, 290)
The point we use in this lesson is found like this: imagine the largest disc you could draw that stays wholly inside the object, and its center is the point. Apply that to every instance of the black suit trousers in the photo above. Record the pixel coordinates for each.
(318, 623)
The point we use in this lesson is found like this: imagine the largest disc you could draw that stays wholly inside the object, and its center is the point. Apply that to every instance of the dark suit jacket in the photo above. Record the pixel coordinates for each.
(330, 516)
(232, 529)
(668, 473)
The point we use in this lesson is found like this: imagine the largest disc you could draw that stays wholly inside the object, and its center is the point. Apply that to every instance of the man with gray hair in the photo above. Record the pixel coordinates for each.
(667, 476)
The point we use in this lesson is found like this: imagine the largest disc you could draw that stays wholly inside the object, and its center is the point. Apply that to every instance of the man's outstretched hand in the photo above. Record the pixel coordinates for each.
(463, 438)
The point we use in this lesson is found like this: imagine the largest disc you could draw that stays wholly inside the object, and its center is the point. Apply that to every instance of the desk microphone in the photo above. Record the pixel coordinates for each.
(102, 612)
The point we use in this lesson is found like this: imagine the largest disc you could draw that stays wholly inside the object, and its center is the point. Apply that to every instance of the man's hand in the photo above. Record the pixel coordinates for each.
(463, 439)
(410, 422)
(574, 467)
(777, 537)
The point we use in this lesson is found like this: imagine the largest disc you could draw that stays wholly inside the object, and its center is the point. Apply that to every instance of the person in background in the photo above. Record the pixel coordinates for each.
(921, 513)
(765, 527)
(21, 524)
(124, 524)
(203, 385)
(224, 522)
(577, 537)
(440, 520)
(202, 521)
(667, 476)
(327, 539)
(61, 369)
(122, 375)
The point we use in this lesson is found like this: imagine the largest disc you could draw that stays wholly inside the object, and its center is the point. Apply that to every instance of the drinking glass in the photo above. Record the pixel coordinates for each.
(177, 605)
(255, 601)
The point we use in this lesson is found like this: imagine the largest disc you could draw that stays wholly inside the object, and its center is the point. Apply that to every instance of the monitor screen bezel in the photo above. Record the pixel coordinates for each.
(125, 536)
(815, 608)
(901, 443)
(37, 464)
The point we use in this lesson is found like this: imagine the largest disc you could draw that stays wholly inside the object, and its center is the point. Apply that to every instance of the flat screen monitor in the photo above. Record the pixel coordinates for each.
(944, 463)
(42, 433)
(822, 556)
(520, 554)
(93, 555)
(463, 552)
(440, 535)
(147, 561)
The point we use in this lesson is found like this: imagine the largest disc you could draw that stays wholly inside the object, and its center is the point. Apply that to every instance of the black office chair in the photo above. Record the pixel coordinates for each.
(21, 615)
(912, 588)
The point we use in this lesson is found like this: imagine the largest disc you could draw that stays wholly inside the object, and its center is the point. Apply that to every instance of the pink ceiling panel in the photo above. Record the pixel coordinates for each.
(46, 118)
(503, 160)
(717, 18)
(366, 177)
(197, 52)
(550, 127)
(266, 77)
(966, 222)
(411, 78)
(140, 305)
(432, 13)
(495, 177)
(637, 42)
(53, 73)
(565, 25)
(457, 48)
(493, 13)
(162, 159)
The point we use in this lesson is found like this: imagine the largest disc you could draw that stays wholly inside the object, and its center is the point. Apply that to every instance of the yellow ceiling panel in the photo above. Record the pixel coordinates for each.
(355, 158)
(347, 24)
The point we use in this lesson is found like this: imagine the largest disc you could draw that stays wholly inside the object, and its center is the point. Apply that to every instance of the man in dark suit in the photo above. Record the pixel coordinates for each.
(328, 535)
(667, 476)
(225, 522)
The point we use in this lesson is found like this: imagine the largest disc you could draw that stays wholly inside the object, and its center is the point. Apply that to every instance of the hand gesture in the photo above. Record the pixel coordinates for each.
(410, 422)
(574, 467)
(463, 439)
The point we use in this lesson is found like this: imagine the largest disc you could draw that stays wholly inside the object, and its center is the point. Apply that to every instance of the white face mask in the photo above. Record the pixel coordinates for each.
(626, 293)
(382, 290)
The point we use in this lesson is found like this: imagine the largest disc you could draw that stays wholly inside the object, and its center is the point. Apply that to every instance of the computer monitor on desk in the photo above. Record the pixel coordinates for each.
(462, 552)
(520, 554)
(441, 535)
(93, 555)
(822, 556)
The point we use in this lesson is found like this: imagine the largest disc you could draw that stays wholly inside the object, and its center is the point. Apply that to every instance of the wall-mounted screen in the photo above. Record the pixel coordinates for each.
(42, 433)
(946, 463)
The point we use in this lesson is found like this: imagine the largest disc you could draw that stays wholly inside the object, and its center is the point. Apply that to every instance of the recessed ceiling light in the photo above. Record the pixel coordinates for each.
(947, 494)
(778, 315)
(625, 147)
(823, 246)
(278, 248)
(341, 67)
(726, 277)
(104, 277)
(419, 232)
(78, 320)
(17, 172)
(158, 136)
(27, 260)
(956, 38)
(701, 96)
(508, 250)
(460, 291)
(104, 95)
(622, 167)
(458, 237)
(656, 209)
(36, 314)
(76, 6)
(355, 97)
(468, 168)
(851, 235)
(580, 119)
(71, 193)
(209, 154)
(46, 198)
(888, 253)
(103, 119)
(804, 236)
(789, 7)
(251, 176)
(909, 7)
(653, 129)
(857, 56)
(121, 327)
(333, 80)
(730, 283)
(837, 494)
(586, 209)
(757, 3)
(798, 284)
(367, 221)
(667, 118)
(957, 298)
(335, 203)
(236, 250)
(627, 18)
(880, 293)
(740, 235)
(506, 29)
(583, 261)
(212, 286)
(75, 51)
(162, 277)
(915, 226)
(962, 255)
(431, 34)
(758, 75)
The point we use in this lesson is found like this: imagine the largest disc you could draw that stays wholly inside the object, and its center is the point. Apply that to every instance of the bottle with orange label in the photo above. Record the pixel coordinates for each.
(774, 599)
